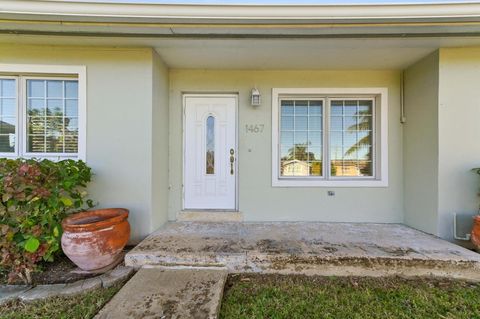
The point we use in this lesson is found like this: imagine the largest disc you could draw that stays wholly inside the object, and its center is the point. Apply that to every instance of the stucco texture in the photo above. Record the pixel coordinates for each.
(258, 200)
(459, 134)
(420, 140)
(119, 123)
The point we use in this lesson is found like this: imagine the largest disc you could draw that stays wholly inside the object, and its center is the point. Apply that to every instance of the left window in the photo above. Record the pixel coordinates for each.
(39, 117)
(8, 115)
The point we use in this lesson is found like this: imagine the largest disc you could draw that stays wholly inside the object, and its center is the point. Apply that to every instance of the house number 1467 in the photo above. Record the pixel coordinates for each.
(254, 128)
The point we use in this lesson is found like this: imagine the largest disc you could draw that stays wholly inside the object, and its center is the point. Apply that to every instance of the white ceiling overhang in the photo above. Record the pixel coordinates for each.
(250, 36)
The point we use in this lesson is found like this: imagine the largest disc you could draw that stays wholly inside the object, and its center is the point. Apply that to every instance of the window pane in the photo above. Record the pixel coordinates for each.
(314, 138)
(7, 125)
(36, 107)
(336, 108)
(36, 143)
(71, 89)
(71, 108)
(350, 123)
(336, 123)
(8, 88)
(316, 168)
(301, 123)
(287, 108)
(301, 138)
(351, 138)
(55, 125)
(71, 143)
(55, 89)
(71, 125)
(315, 123)
(7, 143)
(350, 108)
(51, 116)
(8, 115)
(36, 125)
(315, 108)
(36, 88)
(301, 108)
(9, 106)
(54, 144)
(315, 153)
(286, 138)
(287, 123)
(55, 107)
(210, 140)
(365, 108)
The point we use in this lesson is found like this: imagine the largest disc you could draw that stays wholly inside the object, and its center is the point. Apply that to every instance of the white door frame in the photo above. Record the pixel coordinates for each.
(237, 157)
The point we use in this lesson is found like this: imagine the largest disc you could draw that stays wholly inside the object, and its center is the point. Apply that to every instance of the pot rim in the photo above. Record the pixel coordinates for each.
(110, 217)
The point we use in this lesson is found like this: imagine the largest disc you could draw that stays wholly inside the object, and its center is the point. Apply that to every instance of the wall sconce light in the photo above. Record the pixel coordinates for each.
(256, 97)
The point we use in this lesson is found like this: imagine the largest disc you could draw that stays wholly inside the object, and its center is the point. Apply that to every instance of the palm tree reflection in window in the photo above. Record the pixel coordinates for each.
(361, 151)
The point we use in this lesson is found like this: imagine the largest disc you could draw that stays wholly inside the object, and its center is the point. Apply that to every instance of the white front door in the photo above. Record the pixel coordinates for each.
(210, 154)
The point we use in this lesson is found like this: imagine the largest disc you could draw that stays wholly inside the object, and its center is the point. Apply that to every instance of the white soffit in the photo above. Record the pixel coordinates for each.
(301, 53)
(305, 54)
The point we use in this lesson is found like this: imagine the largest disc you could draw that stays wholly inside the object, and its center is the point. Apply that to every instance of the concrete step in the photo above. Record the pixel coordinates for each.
(329, 249)
(168, 293)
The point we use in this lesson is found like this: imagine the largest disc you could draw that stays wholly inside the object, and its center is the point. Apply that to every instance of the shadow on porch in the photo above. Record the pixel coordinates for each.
(338, 249)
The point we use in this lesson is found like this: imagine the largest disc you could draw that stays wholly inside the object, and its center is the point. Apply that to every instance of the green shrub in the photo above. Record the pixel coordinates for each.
(35, 196)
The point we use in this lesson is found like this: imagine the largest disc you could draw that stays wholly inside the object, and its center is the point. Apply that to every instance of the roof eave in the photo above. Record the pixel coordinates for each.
(57, 10)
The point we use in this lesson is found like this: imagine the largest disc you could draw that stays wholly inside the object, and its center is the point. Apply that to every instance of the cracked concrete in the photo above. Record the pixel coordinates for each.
(307, 248)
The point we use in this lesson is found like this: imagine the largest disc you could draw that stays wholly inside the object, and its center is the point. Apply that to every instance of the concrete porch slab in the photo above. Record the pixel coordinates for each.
(306, 248)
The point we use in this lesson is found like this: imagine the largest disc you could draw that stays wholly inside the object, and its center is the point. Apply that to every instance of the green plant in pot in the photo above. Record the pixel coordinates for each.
(36, 195)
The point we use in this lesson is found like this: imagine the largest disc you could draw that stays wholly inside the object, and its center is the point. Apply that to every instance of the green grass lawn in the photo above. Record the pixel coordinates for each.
(83, 306)
(264, 296)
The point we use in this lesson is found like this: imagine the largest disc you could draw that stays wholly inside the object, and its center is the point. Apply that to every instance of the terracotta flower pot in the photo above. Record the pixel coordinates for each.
(94, 239)
(476, 233)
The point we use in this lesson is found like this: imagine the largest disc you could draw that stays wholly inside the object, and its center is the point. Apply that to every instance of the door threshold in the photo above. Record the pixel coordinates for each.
(209, 216)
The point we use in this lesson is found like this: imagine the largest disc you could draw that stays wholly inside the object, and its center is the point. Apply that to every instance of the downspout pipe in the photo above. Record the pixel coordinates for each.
(403, 118)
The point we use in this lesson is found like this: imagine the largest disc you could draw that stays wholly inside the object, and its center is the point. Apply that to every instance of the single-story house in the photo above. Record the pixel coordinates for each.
(296, 112)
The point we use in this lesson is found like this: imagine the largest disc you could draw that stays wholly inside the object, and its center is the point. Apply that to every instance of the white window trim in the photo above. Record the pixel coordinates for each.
(381, 179)
(50, 71)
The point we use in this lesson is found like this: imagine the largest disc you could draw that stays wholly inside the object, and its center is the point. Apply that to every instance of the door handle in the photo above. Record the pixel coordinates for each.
(232, 160)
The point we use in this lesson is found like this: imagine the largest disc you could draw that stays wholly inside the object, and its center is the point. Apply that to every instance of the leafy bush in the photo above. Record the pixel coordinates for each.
(35, 196)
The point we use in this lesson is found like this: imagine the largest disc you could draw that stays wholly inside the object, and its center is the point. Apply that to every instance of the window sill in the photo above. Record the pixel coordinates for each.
(42, 157)
(330, 183)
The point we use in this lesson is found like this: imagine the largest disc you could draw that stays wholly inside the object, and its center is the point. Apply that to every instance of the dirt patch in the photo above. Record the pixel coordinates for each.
(57, 272)
(61, 271)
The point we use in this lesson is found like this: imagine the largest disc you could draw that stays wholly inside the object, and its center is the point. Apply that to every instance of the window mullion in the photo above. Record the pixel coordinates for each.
(326, 139)
(21, 107)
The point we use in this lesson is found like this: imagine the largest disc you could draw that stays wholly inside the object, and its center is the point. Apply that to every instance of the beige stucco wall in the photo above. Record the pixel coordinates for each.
(459, 134)
(134, 137)
(420, 144)
(120, 121)
(160, 125)
(257, 199)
